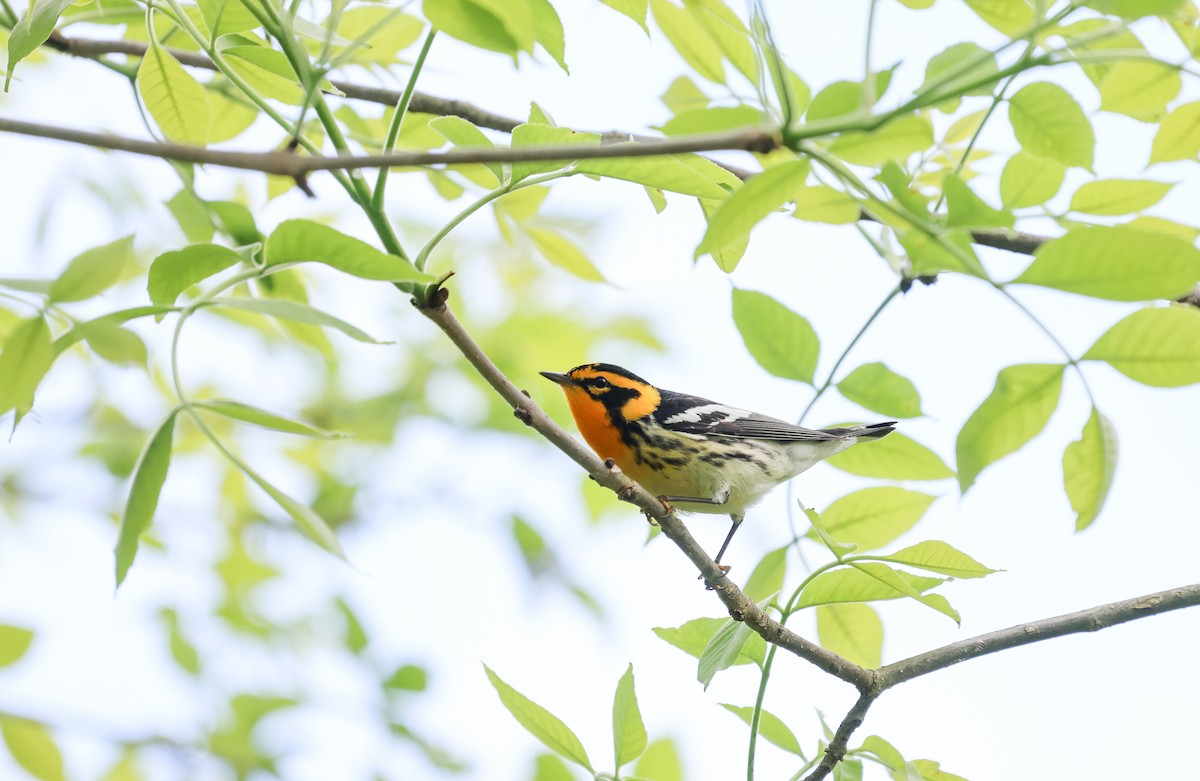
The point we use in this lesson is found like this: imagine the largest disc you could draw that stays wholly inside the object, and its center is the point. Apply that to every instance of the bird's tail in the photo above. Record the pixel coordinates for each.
(868, 431)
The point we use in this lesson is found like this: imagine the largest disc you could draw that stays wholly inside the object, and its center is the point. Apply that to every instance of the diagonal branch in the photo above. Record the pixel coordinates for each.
(740, 606)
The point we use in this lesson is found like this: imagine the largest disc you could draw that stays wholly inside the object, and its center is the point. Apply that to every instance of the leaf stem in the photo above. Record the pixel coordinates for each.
(398, 117)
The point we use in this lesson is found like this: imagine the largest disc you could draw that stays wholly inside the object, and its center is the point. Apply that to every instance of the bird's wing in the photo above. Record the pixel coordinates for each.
(696, 415)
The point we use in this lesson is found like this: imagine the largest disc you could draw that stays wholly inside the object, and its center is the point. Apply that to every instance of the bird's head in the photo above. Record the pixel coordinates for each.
(594, 389)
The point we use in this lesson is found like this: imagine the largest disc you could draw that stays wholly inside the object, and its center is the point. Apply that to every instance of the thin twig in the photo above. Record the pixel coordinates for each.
(836, 750)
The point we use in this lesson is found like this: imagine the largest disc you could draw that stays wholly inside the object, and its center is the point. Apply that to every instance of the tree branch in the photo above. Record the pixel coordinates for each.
(836, 750)
(740, 607)
(1091, 620)
(296, 166)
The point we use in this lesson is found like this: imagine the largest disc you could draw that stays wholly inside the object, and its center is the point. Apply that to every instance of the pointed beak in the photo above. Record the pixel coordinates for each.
(561, 379)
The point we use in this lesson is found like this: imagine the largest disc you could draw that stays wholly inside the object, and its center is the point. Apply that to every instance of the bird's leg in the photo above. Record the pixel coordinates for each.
(737, 521)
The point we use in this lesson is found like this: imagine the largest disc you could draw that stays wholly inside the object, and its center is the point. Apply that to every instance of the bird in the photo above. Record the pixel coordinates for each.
(695, 454)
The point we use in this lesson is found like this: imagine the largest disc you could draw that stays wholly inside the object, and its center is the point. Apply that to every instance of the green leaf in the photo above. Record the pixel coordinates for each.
(1049, 123)
(1140, 89)
(31, 31)
(846, 97)
(684, 95)
(409, 678)
(940, 557)
(902, 583)
(1029, 180)
(712, 119)
(1159, 347)
(173, 97)
(967, 210)
(629, 733)
(535, 135)
(144, 489)
(226, 16)
(1008, 16)
(853, 631)
(852, 584)
(267, 71)
(873, 517)
(634, 9)
(895, 457)
(92, 271)
(1169, 227)
(695, 635)
(685, 174)
(1016, 411)
(896, 140)
(26, 358)
(471, 23)
(264, 419)
(930, 256)
(38, 286)
(956, 57)
(14, 642)
(297, 313)
(33, 748)
(1115, 263)
(548, 31)
(767, 578)
(660, 762)
(182, 651)
(171, 273)
(465, 135)
(690, 39)
(114, 344)
(879, 389)
(296, 241)
(1178, 137)
(780, 340)
(564, 253)
(1088, 467)
(1118, 196)
(770, 727)
(838, 549)
(311, 525)
(541, 723)
(1135, 9)
(723, 650)
(822, 203)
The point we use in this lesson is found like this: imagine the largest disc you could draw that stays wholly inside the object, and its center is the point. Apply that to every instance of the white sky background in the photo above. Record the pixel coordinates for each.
(435, 575)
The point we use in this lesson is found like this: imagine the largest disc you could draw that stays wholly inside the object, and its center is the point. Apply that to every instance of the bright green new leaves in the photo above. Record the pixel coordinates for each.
(822, 203)
(965, 209)
(750, 205)
(879, 389)
(1115, 263)
(852, 631)
(690, 38)
(14, 642)
(92, 271)
(31, 31)
(1159, 347)
(1111, 197)
(33, 748)
(500, 25)
(695, 635)
(465, 135)
(1016, 411)
(685, 174)
(782, 342)
(713, 119)
(767, 578)
(940, 557)
(629, 733)
(310, 524)
(148, 478)
(1178, 137)
(542, 135)
(955, 57)
(172, 273)
(1088, 467)
(1008, 16)
(634, 9)
(541, 723)
(1140, 89)
(1029, 180)
(726, 648)
(548, 31)
(895, 457)
(770, 727)
(1049, 123)
(264, 419)
(177, 101)
(564, 253)
(297, 313)
(873, 517)
(27, 356)
(226, 16)
(296, 241)
(871, 582)
(896, 140)
(407, 678)
(660, 762)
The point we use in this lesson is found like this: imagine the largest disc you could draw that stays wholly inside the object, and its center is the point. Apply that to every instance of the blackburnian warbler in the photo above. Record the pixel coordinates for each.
(694, 453)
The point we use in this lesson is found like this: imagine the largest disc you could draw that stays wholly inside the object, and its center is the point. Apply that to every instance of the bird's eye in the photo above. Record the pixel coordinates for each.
(600, 382)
